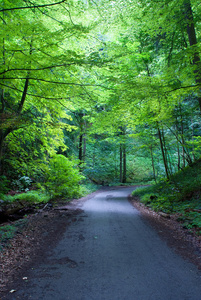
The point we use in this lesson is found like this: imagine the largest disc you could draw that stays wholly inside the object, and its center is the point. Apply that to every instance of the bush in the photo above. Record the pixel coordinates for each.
(29, 197)
(63, 178)
(33, 197)
(4, 182)
(22, 184)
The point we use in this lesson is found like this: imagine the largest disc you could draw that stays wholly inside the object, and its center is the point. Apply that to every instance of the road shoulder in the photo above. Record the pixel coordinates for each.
(186, 244)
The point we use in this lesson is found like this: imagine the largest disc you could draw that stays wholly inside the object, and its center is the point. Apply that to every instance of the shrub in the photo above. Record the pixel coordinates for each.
(23, 183)
(63, 178)
(4, 182)
(29, 197)
(33, 197)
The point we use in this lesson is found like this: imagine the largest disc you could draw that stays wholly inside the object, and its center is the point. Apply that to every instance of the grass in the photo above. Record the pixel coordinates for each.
(30, 197)
(180, 195)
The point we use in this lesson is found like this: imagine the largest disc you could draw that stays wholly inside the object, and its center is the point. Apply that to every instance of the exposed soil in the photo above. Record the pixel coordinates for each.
(41, 231)
(46, 227)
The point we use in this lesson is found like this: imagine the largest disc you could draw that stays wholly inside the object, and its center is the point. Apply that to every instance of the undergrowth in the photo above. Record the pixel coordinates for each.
(180, 195)
(7, 232)
(88, 188)
(31, 197)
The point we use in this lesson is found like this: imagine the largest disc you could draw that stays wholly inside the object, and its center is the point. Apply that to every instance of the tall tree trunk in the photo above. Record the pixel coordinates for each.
(80, 148)
(193, 42)
(3, 135)
(185, 152)
(5, 131)
(120, 163)
(84, 147)
(163, 154)
(116, 165)
(124, 164)
(178, 147)
(122, 155)
(183, 144)
(21, 104)
(1, 151)
(178, 157)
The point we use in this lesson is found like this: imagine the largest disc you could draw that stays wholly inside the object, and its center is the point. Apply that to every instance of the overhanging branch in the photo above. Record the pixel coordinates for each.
(59, 82)
(38, 69)
(32, 6)
(184, 87)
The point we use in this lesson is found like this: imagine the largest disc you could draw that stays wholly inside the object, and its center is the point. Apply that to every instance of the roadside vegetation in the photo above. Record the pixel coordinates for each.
(180, 195)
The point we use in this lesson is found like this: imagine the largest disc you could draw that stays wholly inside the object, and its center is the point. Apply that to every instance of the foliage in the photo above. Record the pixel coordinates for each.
(4, 184)
(181, 195)
(30, 197)
(67, 89)
(22, 184)
(33, 197)
(88, 187)
(63, 177)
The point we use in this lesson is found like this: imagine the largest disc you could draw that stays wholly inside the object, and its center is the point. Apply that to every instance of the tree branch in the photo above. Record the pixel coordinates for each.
(43, 97)
(58, 82)
(32, 6)
(38, 69)
(184, 87)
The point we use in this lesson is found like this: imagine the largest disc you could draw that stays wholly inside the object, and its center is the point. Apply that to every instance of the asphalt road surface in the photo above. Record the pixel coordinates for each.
(111, 253)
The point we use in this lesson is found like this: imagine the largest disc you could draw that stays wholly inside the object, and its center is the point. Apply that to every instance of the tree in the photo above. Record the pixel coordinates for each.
(115, 67)
(40, 60)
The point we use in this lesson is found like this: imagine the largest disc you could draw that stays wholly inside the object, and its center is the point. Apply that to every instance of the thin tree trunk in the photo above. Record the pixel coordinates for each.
(5, 131)
(84, 147)
(116, 165)
(185, 153)
(21, 104)
(163, 154)
(178, 157)
(124, 164)
(193, 42)
(120, 163)
(122, 155)
(1, 152)
(81, 148)
(178, 148)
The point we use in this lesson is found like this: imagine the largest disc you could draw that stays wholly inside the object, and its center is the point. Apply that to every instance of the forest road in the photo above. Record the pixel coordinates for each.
(111, 253)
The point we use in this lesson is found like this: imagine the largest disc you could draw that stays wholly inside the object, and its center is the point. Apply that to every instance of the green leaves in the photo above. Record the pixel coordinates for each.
(63, 177)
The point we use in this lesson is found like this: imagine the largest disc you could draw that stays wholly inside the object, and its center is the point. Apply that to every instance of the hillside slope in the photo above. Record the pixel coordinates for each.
(181, 197)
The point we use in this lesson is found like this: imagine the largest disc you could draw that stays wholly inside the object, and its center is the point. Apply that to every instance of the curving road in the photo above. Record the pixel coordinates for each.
(110, 253)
